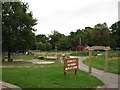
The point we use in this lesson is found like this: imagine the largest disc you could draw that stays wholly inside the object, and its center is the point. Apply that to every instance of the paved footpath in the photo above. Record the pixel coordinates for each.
(8, 86)
(110, 80)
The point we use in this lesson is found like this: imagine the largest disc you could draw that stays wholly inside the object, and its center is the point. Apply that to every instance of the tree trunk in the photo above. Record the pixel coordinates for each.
(9, 57)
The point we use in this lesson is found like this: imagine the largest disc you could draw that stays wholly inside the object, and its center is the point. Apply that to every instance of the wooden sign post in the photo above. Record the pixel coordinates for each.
(106, 61)
(70, 64)
(90, 61)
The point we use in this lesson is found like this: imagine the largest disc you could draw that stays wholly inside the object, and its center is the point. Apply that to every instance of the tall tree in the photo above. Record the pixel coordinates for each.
(17, 27)
(42, 38)
(88, 36)
(75, 37)
(44, 46)
(64, 43)
(115, 34)
(54, 38)
(101, 32)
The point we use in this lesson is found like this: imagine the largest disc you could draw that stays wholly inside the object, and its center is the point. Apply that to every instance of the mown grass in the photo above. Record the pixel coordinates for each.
(25, 57)
(16, 63)
(80, 53)
(49, 76)
(84, 53)
(99, 62)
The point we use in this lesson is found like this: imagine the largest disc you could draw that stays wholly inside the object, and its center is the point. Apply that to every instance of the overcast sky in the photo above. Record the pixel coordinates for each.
(68, 15)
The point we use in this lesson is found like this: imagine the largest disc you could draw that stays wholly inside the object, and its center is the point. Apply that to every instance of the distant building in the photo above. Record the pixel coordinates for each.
(79, 48)
(119, 11)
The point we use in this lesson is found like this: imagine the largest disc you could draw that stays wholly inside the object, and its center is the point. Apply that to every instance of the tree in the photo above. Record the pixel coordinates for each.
(75, 37)
(41, 46)
(55, 37)
(101, 33)
(48, 46)
(17, 27)
(64, 43)
(44, 46)
(88, 36)
(42, 38)
(115, 34)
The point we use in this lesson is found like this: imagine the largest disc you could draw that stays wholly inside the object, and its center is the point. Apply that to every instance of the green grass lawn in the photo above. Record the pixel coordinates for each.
(98, 62)
(25, 57)
(79, 53)
(84, 53)
(48, 76)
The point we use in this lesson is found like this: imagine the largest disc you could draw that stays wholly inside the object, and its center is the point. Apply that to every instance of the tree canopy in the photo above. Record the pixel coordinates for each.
(115, 34)
(54, 38)
(99, 35)
(17, 27)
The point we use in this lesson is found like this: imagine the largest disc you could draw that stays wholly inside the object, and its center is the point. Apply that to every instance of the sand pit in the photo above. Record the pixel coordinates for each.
(44, 62)
(35, 61)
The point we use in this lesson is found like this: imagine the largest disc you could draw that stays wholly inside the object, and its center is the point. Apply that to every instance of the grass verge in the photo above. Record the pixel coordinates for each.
(98, 62)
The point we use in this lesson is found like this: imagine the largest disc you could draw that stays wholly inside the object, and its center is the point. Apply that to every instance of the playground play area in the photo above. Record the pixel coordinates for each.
(45, 70)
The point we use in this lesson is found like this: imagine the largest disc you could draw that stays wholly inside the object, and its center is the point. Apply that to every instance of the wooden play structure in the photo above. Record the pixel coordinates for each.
(106, 56)
(55, 56)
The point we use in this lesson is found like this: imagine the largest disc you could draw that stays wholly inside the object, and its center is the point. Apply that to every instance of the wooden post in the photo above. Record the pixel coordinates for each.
(58, 57)
(75, 72)
(90, 61)
(64, 67)
(77, 66)
(64, 74)
(106, 61)
(63, 57)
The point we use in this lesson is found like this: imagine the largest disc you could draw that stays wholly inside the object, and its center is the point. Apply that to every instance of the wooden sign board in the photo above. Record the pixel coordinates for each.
(70, 64)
